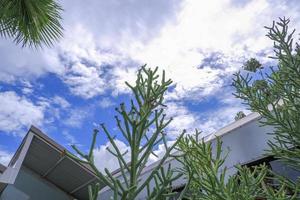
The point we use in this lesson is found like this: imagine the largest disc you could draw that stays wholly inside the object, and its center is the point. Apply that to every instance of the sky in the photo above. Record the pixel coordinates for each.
(69, 89)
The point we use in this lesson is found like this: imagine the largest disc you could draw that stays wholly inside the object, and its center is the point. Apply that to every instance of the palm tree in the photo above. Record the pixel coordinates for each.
(32, 23)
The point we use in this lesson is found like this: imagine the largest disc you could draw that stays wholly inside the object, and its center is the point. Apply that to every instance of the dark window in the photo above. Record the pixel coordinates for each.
(282, 169)
(278, 167)
(178, 190)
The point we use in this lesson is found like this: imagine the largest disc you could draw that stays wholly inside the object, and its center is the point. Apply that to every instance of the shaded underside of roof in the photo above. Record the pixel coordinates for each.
(2, 187)
(2, 168)
(48, 160)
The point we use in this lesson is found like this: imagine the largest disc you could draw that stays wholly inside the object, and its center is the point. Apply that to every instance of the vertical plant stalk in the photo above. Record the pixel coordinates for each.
(142, 125)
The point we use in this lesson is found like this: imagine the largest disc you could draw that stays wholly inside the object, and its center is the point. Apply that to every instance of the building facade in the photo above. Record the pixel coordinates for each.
(40, 170)
(246, 141)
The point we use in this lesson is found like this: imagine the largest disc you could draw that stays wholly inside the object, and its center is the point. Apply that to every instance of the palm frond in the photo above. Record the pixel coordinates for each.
(31, 22)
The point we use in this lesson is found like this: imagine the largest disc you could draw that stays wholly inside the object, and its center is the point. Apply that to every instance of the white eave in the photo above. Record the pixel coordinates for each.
(45, 157)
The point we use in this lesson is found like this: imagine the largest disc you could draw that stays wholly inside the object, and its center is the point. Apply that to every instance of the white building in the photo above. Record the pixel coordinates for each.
(40, 170)
(246, 140)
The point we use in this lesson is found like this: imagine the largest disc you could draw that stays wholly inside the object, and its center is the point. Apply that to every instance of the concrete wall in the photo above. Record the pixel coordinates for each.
(29, 186)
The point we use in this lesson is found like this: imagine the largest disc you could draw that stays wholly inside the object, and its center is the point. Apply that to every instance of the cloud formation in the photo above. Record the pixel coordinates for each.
(199, 44)
(106, 103)
(18, 112)
(5, 157)
(104, 44)
(183, 44)
(111, 162)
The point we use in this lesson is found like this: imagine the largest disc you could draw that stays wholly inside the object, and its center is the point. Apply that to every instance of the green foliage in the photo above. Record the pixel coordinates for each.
(252, 65)
(276, 95)
(208, 178)
(142, 126)
(30, 22)
(273, 93)
(239, 115)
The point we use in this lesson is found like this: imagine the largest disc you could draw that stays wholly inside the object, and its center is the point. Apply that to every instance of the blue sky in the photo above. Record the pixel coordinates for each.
(68, 89)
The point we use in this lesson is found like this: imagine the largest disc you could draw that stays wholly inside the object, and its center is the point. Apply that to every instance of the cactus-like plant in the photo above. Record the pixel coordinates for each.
(208, 179)
(275, 94)
(142, 124)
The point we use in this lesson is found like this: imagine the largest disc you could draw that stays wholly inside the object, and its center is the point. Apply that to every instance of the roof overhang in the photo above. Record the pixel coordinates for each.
(45, 157)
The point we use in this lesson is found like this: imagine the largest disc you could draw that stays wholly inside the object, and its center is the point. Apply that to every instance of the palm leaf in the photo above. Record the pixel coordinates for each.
(31, 22)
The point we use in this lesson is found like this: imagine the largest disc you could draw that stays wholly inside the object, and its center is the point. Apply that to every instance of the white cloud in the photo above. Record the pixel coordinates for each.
(107, 40)
(183, 118)
(90, 49)
(27, 91)
(25, 63)
(213, 25)
(111, 163)
(69, 138)
(75, 117)
(101, 154)
(5, 157)
(212, 119)
(115, 23)
(176, 35)
(84, 81)
(120, 76)
(62, 102)
(183, 42)
(159, 152)
(194, 83)
(217, 119)
(90, 69)
(55, 108)
(18, 112)
(27, 87)
(106, 103)
(207, 26)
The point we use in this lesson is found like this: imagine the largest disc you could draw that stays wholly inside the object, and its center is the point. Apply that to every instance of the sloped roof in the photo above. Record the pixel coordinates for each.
(45, 157)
